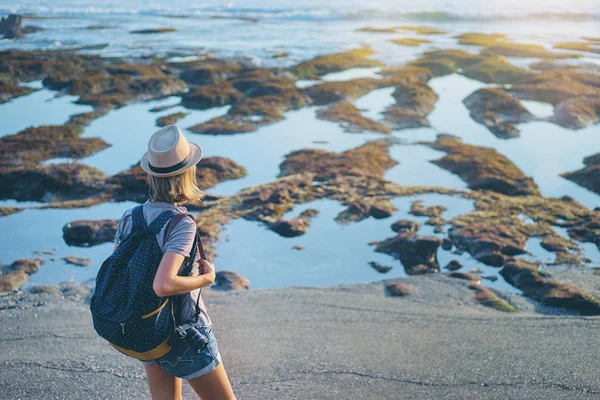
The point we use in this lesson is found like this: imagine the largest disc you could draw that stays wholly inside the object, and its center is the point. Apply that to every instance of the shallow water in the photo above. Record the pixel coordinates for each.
(304, 29)
(42, 107)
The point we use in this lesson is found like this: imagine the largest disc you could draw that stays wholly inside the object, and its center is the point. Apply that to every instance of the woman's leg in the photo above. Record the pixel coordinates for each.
(162, 385)
(214, 385)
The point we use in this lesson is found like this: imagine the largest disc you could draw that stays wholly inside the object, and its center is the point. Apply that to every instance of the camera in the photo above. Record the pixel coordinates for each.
(192, 336)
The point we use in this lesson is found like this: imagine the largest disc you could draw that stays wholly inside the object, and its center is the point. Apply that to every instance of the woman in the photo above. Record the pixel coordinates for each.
(171, 166)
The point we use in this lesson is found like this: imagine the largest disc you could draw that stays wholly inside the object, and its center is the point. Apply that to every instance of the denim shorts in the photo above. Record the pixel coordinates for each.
(183, 362)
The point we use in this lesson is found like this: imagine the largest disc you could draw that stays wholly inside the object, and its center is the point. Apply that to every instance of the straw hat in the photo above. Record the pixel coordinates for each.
(169, 153)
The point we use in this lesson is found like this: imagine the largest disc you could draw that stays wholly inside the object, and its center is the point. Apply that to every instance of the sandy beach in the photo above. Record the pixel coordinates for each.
(345, 342)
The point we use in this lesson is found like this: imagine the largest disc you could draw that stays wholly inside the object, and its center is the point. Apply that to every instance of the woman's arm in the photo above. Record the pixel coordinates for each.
(168, 283)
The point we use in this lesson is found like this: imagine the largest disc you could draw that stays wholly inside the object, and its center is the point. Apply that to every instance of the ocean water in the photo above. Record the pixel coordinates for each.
(333, 253)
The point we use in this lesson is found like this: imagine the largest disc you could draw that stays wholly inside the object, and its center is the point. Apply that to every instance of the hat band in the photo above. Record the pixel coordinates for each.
(172, 168)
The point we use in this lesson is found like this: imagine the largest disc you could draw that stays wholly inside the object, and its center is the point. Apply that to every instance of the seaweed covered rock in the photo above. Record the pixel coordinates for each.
(482, 168)
(498, 111)
(421, 29)
(5, 211)
(325, 64)
(589, 175)
(578, 112)
(216, 94)
(371, 159)
(496, 70)
(398, 289)
(490, 242)
(434, 213)
(413, 42)
(539, 286)
(414, 101)
(330, 92)
(350, 118)
(10, 89)
(359, 210)
(488, 298)
(15, 275)
(405, 225)
(54, 182)
(294, 227)
(264, 103)
(555, 87)
(459, 58)
(36, 144)
(170, 119)
(86, 233)
(418, 254)
(229, 280)
(10, 27)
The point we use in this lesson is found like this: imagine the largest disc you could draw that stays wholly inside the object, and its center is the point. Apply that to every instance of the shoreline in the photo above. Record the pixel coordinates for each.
(435, 343)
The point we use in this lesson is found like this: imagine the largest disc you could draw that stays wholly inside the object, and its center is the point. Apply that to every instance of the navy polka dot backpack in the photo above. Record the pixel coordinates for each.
(125, 309)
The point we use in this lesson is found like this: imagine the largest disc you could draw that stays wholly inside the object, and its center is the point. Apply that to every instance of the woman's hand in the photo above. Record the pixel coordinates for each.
(208, 271)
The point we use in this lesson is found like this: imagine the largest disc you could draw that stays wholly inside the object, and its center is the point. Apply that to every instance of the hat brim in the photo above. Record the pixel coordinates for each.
(194, 159)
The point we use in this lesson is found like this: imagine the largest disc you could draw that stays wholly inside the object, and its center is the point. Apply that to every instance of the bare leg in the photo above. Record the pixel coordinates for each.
(162, 385)
(213, 386)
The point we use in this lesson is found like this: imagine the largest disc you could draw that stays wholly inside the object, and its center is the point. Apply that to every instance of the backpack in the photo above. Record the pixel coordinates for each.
(125, 309)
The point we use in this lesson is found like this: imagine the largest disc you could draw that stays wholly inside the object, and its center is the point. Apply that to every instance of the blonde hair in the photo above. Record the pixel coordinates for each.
(175, 189)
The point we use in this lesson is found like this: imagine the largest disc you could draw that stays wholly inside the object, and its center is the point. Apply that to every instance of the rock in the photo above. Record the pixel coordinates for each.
(479, 39)
(350, 118)
(397, 289)
(297, 247)
(380, 268)
(498, 111)
(434, 213)
(211, 72)
(228, 280)
(5, 211)
(447, 244)
(295, 227)
(438, 67)
(79, 261)
(10, 90)
(10, 27)
(482, 168)
(85, 233)
(459, 58)
(365, 208)
(414, 101)
(170, 119)
(491, 278)
(465, 276)
(371, 159)
(421, 29)
(264, 104)
(588, 176)
(15, 275)
(418, 254)
(488, 298)
(511, 49)
(325, 64)
(578, 46)
(404, 225)
(154, 30)
(331, 92)
(577, 113)
(489, 242)
(36, 144)
(453, 265)
(53, 182)
(376, 30)
(557, 86)
(539, 286)
(412, 42)
(216, 94)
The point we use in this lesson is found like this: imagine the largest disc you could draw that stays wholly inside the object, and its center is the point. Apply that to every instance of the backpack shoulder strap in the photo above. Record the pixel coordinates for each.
(137, 217)
(197, 241)
(160, 221)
